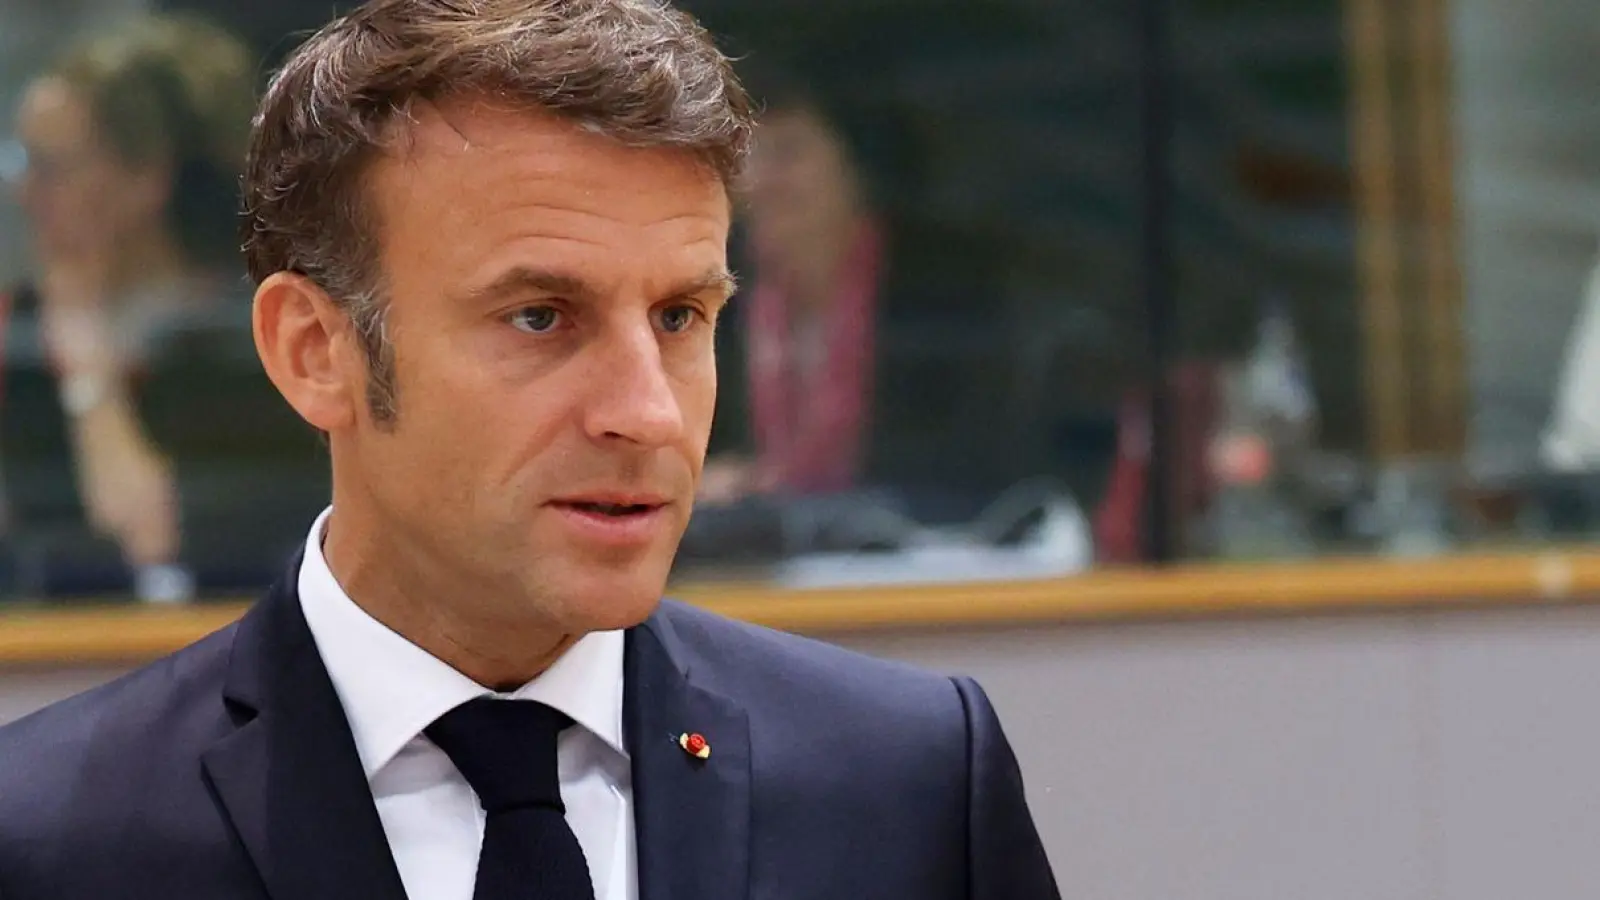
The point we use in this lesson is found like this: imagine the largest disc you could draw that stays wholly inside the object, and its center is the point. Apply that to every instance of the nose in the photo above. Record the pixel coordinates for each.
(633, 399)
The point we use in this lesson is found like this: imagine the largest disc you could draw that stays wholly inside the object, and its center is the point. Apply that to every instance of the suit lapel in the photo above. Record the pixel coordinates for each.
(289, 777)
(692, 817)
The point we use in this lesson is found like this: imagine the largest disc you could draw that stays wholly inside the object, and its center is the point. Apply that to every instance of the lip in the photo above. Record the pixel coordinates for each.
(634, 530)
(612, 498)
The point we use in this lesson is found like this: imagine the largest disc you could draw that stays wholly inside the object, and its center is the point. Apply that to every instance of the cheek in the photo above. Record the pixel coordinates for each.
(429, 471)
(504, 421)
(695, 387)
(483, 392)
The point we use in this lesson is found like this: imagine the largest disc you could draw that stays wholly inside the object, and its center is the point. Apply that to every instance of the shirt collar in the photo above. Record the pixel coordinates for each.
(391, 689)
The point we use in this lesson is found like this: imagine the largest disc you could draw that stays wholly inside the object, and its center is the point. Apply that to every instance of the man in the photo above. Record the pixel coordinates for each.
(489, 242)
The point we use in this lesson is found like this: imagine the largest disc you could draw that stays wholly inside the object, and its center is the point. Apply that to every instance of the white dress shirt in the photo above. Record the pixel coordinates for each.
(392, 689)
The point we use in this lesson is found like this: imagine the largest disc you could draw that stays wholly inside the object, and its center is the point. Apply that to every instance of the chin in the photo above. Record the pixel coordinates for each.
(611, 601)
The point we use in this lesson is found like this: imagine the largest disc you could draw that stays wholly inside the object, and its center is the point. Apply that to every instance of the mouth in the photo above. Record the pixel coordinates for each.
(622, 521)
(614, 510)
(614, 504)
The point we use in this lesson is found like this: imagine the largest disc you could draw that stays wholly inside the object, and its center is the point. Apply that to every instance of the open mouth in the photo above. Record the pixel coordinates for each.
(612, 509)
(625, 521)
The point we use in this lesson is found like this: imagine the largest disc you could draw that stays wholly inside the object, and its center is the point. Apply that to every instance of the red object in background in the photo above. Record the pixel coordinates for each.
(810, 420)
(1120, 521)
(1240, 459)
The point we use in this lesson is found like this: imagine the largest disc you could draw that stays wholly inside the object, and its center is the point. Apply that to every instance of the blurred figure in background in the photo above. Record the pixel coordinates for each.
(1571, 441)
(133, 143)
(817, 251)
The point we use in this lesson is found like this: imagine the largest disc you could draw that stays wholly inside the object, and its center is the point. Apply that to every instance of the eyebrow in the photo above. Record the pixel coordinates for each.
(522, 279)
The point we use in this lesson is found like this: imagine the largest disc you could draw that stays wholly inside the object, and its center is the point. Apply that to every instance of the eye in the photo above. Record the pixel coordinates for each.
(678, 319)
(536, 319)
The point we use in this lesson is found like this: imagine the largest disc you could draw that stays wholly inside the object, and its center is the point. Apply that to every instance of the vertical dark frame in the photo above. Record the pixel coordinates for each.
(1155, 66)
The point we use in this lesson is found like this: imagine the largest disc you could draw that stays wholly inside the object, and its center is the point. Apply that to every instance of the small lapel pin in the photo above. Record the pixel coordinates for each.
(695, 745)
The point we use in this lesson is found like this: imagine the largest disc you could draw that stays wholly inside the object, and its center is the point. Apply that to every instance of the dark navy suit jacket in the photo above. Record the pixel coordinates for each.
(228, 771)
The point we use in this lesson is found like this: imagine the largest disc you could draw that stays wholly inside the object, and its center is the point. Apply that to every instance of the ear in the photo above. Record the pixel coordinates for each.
(305, 345)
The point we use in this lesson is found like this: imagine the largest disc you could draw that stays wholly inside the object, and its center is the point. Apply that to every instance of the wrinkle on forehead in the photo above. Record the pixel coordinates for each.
(481, 122)
(463, 124)
(519, 174)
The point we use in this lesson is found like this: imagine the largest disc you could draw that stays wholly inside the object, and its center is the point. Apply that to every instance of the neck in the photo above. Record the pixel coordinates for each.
(398, 584)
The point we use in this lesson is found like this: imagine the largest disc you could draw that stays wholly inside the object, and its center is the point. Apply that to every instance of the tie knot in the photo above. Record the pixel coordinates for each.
(506, 750)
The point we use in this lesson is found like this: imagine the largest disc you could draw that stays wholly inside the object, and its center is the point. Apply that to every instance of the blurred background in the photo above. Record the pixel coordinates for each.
(1033, 287)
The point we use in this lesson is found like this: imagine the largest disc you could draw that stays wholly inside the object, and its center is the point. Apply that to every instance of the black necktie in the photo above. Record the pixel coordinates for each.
(506, 749)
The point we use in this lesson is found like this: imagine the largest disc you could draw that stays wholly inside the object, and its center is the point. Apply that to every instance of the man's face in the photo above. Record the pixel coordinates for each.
(552, 297)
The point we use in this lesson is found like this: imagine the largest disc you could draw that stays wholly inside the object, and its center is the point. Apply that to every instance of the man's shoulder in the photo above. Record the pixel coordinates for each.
(829, 726)
(130, 723)
(94, 785)
(757, 665)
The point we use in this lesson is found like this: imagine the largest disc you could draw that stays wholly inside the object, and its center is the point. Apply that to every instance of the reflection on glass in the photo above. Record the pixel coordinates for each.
(126, 165)
(920, 376)
(1385, 338)
(817, 254)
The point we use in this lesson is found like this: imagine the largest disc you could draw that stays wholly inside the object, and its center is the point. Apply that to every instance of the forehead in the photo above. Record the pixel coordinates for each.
(471, 159)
